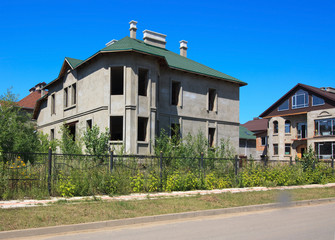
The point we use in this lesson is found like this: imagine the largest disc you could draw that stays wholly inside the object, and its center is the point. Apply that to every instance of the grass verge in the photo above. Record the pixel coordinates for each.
(91, 211)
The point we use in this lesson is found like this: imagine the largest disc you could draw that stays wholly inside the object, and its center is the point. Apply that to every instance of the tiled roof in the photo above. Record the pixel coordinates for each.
(173, 60)
(246, 134)
(30, 100)
(257, 125)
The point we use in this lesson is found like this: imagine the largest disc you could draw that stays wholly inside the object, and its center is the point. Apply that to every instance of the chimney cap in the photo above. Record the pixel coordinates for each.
(154, 38)
(183, 44)
(132, 24)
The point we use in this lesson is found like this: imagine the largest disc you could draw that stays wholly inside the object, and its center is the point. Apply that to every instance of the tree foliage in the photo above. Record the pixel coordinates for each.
(96, 143)
(17, 131)
(67, 144)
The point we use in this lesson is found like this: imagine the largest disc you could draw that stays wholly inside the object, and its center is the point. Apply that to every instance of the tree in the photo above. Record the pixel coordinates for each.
(67, 144)
(17, 131)
(96, 143)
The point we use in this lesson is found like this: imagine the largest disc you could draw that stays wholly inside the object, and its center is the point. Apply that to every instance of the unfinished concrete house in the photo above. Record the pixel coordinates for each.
(137, 87)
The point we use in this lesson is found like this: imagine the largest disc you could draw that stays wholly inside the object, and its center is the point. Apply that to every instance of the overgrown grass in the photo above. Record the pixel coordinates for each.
(92, 211)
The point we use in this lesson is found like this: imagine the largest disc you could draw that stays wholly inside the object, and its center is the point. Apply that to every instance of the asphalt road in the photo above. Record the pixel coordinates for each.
(311, 222)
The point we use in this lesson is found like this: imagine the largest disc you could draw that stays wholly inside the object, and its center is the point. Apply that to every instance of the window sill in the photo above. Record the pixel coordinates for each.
(71, 107)
(115, 141)
(143, 142)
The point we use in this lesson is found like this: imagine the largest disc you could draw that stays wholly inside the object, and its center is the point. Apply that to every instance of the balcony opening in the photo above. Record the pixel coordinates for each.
(116, 128)
(117, 81)
(142, 82)
(142, 129)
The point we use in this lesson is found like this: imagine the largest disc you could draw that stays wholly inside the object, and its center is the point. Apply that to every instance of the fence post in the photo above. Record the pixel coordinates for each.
(291, 161)
(161, 169)
(49, 169)
(333, 165)
(265, 161)
(236, 164)
(111, 162)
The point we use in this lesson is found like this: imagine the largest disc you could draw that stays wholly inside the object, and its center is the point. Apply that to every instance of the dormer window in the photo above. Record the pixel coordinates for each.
(300, 99)
(316, 101)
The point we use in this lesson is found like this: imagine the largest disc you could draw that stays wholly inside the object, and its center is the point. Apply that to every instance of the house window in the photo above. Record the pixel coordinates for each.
(116, 128)
(211, 99)
(316, 101)
(263, 141)
(275, 149)
(175, 92)
(74, 94)
(66, 97)
(287, 149)
(142, 129)
(89, 124)
(117, 81)
(53, 104)
(325, 127)
(275, 127)
(142, 82)
(211, 136)
(175, 131)
(284, 106)
(72, 130)
(300, 99)
(52, 134)
(287, 126)
(302, 130)
(325, 150)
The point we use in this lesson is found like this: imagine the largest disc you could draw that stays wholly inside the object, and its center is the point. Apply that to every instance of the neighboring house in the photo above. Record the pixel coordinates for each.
(259, 127)
(136, 88)
(303, 117)
(27, 104)
(247, 145)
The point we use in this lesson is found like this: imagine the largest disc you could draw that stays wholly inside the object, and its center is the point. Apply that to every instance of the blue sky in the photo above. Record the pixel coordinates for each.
(271, 45)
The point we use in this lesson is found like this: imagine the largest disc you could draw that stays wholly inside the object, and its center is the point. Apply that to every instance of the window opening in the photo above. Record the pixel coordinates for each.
(211, 99)
(66, 97)
(117, 81)
(287, 126)
(211, 135)
(89, 124)
(263, 141)
(275, 127)
(316, 101)
(74, 94)
(53, 104)
(142, 129)
(142, 82)
(300, 99)
(287, 149)
(284, 106)
(52, 134)
(325, 127)
(275, 149)
(175, 93)
(302, 130)
(116, 128)
(175, 131)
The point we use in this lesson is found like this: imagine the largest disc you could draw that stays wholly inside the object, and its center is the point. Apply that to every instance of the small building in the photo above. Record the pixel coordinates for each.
(247, 145)
(259, 127)
(303, 117)
(27, 104)
(138, 87)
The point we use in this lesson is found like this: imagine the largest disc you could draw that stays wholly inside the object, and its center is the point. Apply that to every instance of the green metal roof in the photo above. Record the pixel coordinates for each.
(73, 62)
(174, 60)
(246, 134)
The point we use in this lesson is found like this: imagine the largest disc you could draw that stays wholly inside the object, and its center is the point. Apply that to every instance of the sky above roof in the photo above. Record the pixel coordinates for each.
(271, 45)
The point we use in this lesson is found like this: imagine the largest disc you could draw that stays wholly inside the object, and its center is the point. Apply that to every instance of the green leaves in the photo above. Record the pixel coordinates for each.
(96, 143)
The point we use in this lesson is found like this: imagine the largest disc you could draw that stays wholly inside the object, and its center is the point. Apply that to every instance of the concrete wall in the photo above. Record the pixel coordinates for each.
(95, 102)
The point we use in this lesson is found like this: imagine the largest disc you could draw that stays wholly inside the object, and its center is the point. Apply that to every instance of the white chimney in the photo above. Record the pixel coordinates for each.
(133, 29)
(330, 89)
(154, 38)
(183, 48)
(111, 42)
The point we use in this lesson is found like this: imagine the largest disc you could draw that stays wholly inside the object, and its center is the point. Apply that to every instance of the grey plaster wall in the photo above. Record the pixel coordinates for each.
(94, 101)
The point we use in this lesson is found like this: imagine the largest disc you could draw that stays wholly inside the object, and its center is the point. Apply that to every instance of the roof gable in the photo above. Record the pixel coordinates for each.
(326, 96)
